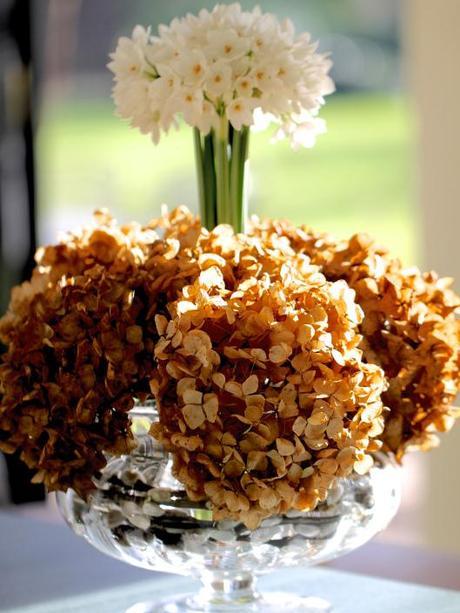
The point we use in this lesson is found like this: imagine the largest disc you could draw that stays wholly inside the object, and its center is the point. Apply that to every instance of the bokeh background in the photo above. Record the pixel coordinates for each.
(87, 156)
(387, 166)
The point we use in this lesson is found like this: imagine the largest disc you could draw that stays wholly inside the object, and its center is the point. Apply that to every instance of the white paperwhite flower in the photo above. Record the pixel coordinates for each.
(239, 112)
(226, 44)
(163, 88)
(262, 120)
(302, 130)
(132, 99)
(141, 36)
(244, 86)
(222, 64)
(265, 79)
(190, 103)
(218, 79)
(128, 61)
(208, 118)
(192, 68)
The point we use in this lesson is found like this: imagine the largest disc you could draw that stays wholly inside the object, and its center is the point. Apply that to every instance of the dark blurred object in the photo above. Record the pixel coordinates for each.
(17, 172)
(17, 179)
(19, 476)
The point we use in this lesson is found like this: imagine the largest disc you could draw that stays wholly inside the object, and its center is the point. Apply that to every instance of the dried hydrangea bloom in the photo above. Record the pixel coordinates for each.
(262, 393)
(80, 338)
(409, 328)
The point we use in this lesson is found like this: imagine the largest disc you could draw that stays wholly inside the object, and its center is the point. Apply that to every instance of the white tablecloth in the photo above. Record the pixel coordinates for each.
(45, 568)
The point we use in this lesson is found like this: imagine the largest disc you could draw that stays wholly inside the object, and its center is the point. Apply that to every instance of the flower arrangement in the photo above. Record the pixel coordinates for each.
(280, 359)
(222, 71)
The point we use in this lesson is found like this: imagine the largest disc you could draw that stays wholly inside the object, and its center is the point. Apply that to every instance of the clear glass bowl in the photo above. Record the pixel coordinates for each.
(140, 514)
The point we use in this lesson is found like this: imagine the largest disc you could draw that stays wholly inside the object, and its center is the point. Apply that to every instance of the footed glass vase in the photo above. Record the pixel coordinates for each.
(140, 513)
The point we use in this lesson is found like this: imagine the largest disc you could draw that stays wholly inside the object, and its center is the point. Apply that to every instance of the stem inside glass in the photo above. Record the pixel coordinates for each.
(220, 163)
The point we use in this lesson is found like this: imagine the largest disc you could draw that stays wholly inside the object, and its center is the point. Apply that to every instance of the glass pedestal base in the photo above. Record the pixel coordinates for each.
(233, 594)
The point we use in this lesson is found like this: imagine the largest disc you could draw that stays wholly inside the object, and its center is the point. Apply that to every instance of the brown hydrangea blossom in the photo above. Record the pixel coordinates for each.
(262, 393)
(410, 329)
(80, 338)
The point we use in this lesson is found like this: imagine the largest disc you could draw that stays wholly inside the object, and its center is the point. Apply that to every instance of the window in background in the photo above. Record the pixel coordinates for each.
(355, 179)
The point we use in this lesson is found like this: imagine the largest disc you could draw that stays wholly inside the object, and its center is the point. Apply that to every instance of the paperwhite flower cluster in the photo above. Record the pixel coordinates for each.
(227, 64)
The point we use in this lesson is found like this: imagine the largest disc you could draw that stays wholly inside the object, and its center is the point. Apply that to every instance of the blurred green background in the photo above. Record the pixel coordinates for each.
(355, 179)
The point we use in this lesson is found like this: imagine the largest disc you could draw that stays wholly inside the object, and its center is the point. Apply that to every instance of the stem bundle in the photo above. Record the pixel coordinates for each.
(220, 162)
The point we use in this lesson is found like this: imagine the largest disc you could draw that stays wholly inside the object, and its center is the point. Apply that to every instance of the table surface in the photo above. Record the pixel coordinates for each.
(45, 568)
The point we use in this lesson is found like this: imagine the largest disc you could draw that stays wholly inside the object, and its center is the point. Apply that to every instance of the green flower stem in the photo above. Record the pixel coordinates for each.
(235, 180)
(210, 182)
(222, 173)
(243, 168)
(200, 173)
(239, 149)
